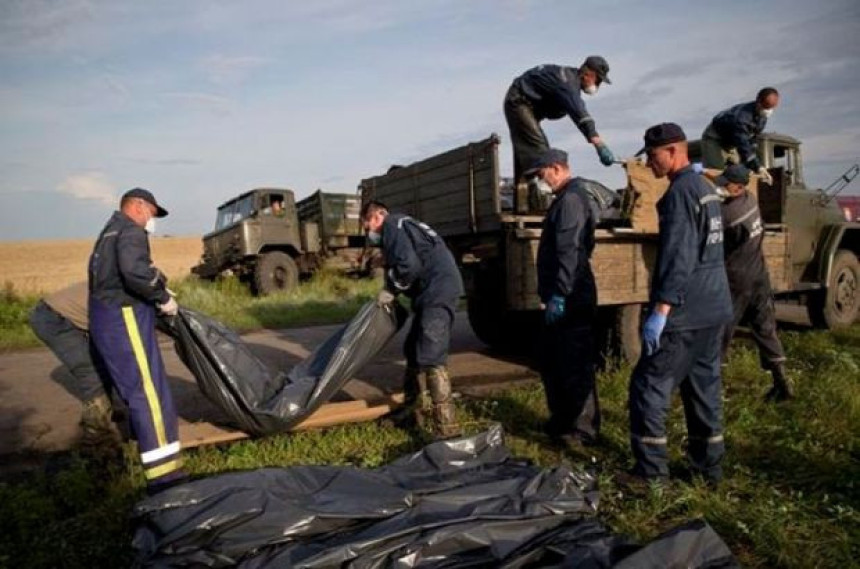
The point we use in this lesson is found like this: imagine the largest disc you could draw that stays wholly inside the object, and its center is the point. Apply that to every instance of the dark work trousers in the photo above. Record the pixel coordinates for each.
(429, 337)
(125, 337)
(690, 361)
(72, 346)
(753, 305)
(568, 375)
(527, 137)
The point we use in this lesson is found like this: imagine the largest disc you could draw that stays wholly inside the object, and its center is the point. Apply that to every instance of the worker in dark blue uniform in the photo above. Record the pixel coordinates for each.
(569, 296)
(420, 265)
(552, 92)
(731, 137)
(689, 306)
(749, 283)
(126, 289)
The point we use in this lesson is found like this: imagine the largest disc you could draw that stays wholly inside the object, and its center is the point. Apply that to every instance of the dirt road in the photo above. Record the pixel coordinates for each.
(40, 408)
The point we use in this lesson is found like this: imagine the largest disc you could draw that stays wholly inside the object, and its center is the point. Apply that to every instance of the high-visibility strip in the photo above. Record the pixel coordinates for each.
(146, 377)
(710, 440)
(162, 469)
(709, 198)
(651, 440)
(159, 453)
(744, 217)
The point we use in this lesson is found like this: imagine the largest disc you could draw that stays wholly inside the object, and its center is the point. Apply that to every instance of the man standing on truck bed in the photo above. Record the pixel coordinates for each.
(732, 135)
(748, 279)
(567, 290)
(690, 304)
(420, 265)
(551, 92)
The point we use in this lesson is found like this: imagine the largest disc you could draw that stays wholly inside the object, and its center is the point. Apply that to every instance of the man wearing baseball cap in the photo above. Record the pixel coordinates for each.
(689, 305)
(125, 291)
(567, 290)
(749, 283)
(552, 92)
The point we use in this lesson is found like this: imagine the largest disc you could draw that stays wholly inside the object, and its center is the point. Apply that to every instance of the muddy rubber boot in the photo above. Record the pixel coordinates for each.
(99, 436)
(445, 424)
(781, 390)
(405, 416)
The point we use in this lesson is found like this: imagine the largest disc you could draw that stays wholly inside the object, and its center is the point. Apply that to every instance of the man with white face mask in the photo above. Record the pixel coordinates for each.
(419, 265)
(732, 135)
(125, 290)
(567, 291)
(552, 92)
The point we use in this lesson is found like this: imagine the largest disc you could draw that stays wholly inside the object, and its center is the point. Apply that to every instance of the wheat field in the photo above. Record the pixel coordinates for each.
(37, 267)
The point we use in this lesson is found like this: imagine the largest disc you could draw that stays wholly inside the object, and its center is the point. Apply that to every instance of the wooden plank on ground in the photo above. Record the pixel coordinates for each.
(330, 414)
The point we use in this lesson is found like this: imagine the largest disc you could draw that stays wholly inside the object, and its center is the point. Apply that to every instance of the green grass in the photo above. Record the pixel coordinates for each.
(790, 497)
(325, 298)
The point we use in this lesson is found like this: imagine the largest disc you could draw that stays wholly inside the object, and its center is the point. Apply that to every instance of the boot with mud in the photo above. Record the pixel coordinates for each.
(781, 390)
(408, 415)
(445, 425)
(99, 435)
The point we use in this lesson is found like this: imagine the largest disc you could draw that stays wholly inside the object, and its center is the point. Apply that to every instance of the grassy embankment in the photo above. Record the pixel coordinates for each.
(326, 298)
(790, 498)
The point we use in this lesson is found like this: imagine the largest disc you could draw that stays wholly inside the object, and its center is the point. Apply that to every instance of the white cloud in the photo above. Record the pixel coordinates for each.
(215, 104)
(89, 186)
(229, 70)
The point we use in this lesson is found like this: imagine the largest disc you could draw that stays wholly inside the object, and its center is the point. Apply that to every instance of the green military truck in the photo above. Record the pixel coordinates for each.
(810, 251)
(270, 241)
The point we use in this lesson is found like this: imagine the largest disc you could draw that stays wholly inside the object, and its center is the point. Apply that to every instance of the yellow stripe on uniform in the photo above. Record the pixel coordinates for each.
(146, 377)
(162, 469)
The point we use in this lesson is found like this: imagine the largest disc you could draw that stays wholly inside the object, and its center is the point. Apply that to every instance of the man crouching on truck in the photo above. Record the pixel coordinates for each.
(567, 290)
(419, 265)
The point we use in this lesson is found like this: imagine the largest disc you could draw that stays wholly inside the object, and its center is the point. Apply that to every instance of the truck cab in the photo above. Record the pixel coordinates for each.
(256, 236)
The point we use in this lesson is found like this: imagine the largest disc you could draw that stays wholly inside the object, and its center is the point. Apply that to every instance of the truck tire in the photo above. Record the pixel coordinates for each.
(837, 305)
(275, 271)
(619, 333)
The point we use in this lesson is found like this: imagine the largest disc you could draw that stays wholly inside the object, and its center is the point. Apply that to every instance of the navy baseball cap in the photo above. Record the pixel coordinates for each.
(599, 65)
(734, 174)
(546, 158)
(661, 135)
(146, 196)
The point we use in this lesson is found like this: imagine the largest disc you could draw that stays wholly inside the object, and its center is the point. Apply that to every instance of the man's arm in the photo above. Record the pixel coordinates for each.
(138, 273)
(569, 229)
(404, 267)
(574, 106)
(678, 252)
(743, 138)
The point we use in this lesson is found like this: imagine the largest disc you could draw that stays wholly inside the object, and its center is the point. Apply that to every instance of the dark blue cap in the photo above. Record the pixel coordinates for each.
(734, 174)
(661, 135)
(598, 64)
(547, 158)
(146, 196)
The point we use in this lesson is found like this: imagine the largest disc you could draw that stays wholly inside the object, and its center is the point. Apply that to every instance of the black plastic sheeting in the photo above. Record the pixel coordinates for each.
(458, 503)
(260, 400)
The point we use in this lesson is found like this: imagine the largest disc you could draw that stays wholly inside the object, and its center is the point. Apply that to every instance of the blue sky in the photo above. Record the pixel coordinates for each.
(198, 101)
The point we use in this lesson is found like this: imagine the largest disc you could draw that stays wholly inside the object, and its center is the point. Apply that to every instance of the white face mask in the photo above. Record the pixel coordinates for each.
(374, 237)
(543, 186)
(590, 90)
(150, 225)
(766, 113)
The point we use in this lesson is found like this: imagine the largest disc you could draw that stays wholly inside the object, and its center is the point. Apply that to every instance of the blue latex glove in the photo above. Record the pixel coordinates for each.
(554, 309)
(651, 332)
(605, 155)
(698, 168)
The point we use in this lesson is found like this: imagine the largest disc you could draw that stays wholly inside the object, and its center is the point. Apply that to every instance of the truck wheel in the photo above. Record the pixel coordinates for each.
(275, 271)
(838, 304)
(619, 332)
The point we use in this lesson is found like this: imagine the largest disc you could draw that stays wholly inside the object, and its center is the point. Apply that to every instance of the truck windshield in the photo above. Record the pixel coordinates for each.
(234, 212)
